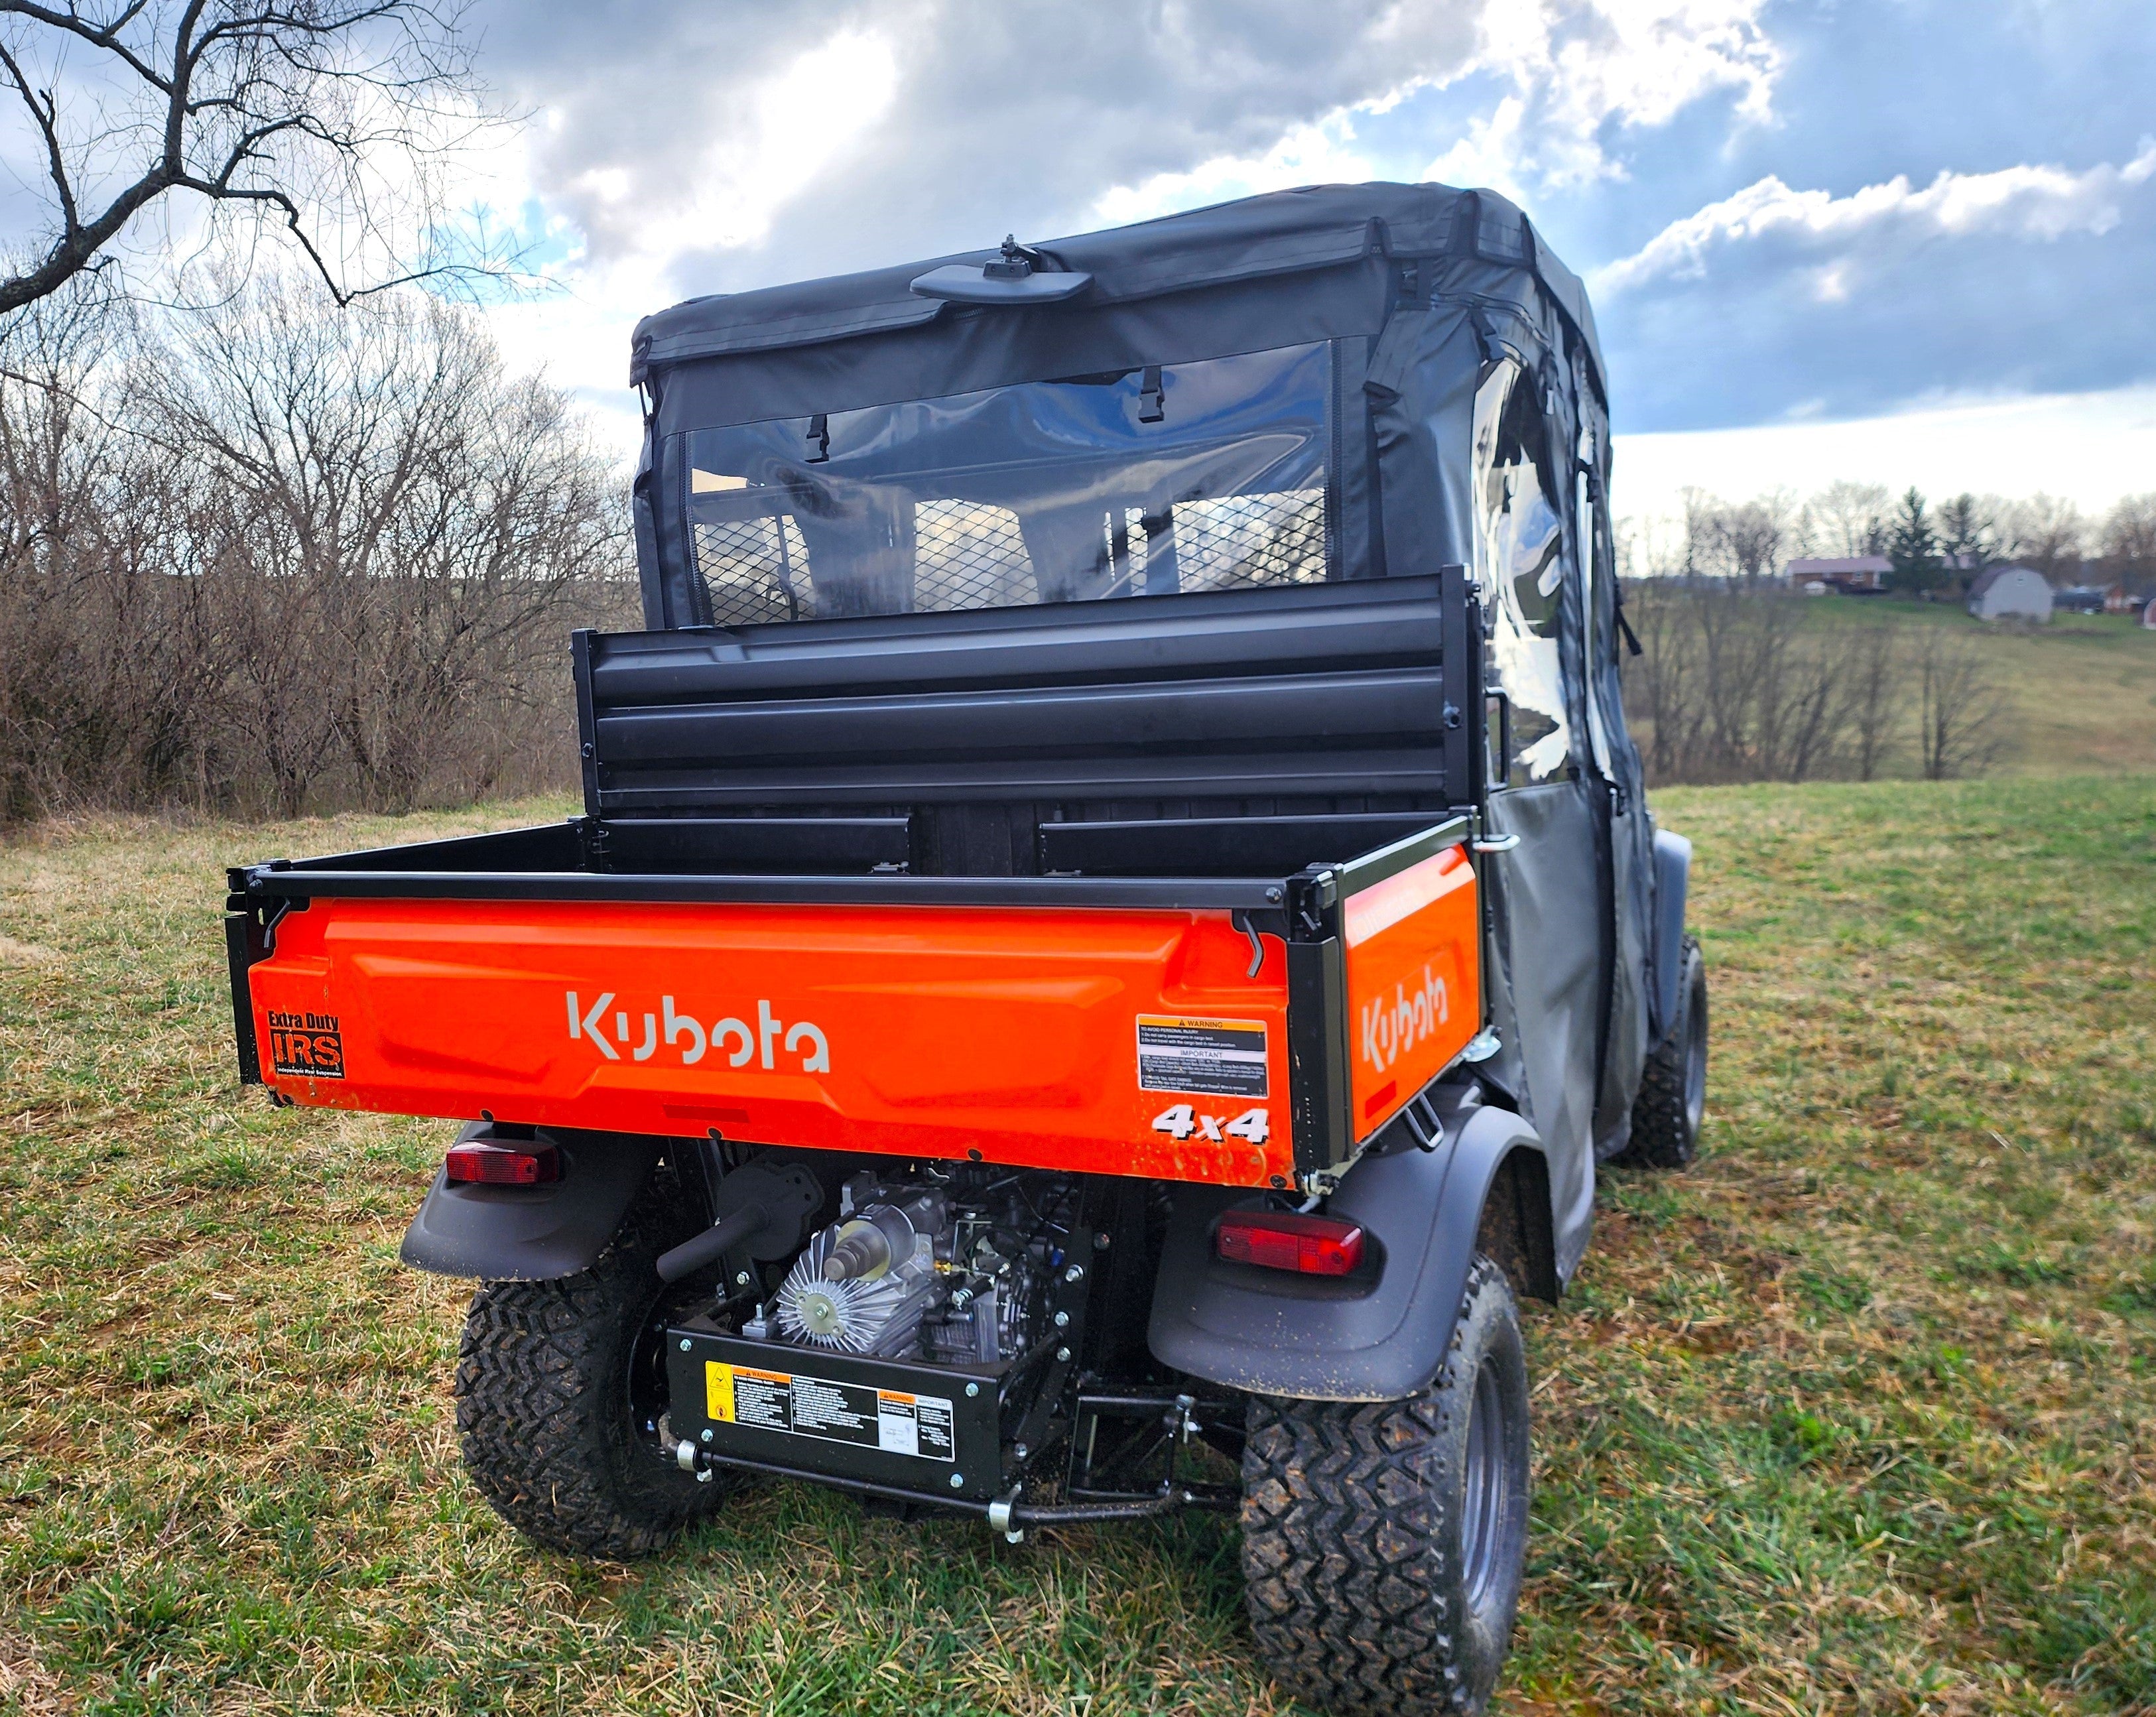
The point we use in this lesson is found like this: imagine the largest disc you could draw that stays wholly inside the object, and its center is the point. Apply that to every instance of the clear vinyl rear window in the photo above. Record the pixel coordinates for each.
(1150, 480)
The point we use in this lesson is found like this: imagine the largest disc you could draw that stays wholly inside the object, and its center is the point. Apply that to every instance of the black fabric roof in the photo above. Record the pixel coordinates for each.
(1280, 233)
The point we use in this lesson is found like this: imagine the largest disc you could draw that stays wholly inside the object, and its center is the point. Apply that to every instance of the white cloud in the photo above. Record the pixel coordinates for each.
(772, 141)
(1492, 153)
(1320, 154)
(1881, 221)
(1579, 67)
(718, 149)
(1573, 68)
(2090, 448)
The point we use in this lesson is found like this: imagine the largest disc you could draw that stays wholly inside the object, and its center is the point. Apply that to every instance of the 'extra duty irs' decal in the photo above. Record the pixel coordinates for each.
(305, 1045)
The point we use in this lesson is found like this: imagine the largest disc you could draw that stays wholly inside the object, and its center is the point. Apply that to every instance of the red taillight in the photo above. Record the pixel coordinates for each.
(1314, 1246)
(504, 1165)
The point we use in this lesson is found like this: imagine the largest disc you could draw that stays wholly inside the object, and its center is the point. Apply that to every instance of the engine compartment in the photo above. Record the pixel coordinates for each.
(918, 1330)
(945, 1266)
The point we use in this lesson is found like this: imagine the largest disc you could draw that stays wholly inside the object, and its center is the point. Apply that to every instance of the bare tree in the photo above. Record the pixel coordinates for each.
(286, 555)
(1743, 540)
(2129, 540)
(1873, 673)
(405, 528)
(2045, 532)
(1846, 520)
(1732, 684)
(1661, 692)
(328, 118)
(1958, 725)
(95, 683)
(1743, 680)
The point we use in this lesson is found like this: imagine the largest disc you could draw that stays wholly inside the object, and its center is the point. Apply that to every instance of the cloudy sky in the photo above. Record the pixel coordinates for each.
(1897, 239)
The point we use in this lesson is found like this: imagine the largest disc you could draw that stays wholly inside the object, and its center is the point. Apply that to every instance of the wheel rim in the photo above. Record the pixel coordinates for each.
(1483, 1507)
(1694, 1087)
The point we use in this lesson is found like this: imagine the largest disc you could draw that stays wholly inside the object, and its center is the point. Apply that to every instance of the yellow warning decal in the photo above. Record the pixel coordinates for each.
(720, 1396)
(1209, 1057)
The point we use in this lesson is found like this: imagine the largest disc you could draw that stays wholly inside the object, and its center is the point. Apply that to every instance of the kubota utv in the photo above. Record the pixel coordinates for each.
(1115, 915)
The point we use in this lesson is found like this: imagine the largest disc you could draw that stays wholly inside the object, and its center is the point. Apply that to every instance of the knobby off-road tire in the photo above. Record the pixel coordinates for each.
(548, 1411)
(1382, 1543)
(1672, 1100)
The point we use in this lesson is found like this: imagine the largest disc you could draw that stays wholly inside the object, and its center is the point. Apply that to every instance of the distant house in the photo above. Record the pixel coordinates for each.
(2006, 592)
(1852, 575)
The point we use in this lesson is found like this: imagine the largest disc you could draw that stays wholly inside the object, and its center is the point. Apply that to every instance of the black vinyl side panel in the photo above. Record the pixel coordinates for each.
(1548, 905)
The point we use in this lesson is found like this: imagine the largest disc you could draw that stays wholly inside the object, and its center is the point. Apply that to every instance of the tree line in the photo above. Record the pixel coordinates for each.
(278, 555)
(1738, 681)
(1932, 545)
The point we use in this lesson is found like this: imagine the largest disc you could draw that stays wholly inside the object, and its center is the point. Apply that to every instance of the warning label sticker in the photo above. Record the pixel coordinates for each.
(1209, 1057)
(886, 1419)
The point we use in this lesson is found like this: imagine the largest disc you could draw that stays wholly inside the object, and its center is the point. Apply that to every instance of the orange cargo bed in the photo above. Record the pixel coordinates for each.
(1256, 1033)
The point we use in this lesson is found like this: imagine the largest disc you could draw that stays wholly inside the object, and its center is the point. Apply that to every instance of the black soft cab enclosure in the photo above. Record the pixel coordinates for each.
(1124, 553)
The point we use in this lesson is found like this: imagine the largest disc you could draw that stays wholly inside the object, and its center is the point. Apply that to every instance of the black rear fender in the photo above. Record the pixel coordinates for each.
(1382, 1333)
(1672, 882)
(532, 1233)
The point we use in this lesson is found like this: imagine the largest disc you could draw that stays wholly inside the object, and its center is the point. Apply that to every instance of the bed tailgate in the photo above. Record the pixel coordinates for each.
(1251, 1033)
(1129, 1042)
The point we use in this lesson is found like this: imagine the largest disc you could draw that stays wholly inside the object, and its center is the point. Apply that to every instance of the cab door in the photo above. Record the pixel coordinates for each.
(1547, 815)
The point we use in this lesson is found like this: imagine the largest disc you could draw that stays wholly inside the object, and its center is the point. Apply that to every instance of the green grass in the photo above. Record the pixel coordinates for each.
(1860, 1416)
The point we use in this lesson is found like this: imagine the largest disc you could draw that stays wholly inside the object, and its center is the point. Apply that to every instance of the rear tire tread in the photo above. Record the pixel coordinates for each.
(1349, 1588)
(543, 1412)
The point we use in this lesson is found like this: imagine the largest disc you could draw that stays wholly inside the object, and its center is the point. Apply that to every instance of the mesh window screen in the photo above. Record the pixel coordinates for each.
(970, 556)
(1250, 541)
(967, 555)
(756, 569)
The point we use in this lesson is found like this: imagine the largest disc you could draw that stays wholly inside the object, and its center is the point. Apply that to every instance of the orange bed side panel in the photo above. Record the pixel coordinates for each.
(1415, 982)
(1095, 1041)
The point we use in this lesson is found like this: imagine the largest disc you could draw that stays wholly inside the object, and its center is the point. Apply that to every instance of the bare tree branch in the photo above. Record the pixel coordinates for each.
(332, 118)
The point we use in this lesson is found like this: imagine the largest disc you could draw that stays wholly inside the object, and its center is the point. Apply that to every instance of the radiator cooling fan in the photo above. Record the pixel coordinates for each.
(842, 1293)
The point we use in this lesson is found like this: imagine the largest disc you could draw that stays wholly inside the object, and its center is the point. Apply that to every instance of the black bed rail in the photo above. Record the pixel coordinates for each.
(292, 883)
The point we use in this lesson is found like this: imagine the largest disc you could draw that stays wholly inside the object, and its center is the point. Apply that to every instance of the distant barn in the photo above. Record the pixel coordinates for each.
(2011, 593)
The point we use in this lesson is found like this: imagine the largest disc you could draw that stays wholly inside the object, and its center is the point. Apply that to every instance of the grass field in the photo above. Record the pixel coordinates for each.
(1860, 1416)
(2079, 692)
